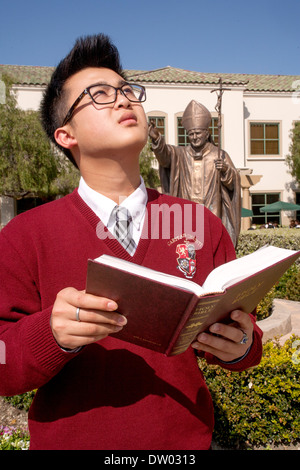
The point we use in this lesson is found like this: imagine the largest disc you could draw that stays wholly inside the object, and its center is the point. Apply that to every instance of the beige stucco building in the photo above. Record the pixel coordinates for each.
(258, 112)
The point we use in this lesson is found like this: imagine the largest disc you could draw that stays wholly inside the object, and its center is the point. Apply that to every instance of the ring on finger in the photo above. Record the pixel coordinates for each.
(244, 338)
(77, 314)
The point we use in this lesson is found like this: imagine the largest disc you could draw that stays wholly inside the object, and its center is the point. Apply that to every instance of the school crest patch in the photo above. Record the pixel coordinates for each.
(186, 259)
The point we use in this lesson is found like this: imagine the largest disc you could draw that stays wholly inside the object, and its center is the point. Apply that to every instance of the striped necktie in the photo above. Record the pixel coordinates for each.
(123, 228)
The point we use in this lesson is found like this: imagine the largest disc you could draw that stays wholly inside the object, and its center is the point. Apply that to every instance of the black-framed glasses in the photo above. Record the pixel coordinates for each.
(102, 93)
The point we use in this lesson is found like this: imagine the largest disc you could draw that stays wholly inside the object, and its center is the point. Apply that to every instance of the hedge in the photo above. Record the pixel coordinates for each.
(251, 240)
(288, 286)
(259, 406)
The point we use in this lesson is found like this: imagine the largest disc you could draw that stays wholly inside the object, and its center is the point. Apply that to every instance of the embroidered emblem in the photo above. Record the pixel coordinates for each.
(186, 259)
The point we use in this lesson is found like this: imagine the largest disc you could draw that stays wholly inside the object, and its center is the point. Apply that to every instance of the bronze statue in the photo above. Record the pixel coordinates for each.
(200, 172)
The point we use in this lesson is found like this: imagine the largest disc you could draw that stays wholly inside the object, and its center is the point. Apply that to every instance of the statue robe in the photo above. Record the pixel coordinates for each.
(193, 176)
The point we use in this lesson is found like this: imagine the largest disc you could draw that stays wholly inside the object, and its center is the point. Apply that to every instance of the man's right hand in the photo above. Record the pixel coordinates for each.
(98, 318)
(153, 131)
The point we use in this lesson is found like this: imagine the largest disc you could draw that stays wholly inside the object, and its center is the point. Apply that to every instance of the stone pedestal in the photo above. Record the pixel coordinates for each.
(247, 180)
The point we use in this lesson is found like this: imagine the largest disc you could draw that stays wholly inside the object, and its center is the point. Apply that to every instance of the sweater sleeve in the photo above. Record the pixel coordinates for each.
(31, 354)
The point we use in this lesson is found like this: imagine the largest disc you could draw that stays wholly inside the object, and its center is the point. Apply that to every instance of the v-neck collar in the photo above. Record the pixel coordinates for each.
(111, 242)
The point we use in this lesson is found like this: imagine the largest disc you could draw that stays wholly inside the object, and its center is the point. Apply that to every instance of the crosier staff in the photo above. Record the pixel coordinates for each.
(220, 163)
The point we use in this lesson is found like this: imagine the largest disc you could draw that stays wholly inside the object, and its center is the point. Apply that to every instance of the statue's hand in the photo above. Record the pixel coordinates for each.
(221, 165)
(153, 131)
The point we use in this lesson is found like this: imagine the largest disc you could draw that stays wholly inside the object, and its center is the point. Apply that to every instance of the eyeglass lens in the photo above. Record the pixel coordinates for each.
(102, 93)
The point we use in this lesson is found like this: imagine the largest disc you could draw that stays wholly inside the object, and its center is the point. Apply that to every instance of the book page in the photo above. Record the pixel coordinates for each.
(150, 274)
(241, 268)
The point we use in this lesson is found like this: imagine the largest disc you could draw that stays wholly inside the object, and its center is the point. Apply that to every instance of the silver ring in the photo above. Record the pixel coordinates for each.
(244, 338)
(77, 314)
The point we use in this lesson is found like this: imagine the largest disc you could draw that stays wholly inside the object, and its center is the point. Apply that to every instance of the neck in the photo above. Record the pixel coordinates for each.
(112, 179)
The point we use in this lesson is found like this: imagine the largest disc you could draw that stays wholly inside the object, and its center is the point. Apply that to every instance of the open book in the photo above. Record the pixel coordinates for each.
(165, 313)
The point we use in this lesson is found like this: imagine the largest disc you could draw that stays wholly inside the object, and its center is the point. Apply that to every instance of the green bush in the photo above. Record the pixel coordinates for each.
(251, 240)
(23, 401)
(260, 405)
(293, 287)
(288, 287)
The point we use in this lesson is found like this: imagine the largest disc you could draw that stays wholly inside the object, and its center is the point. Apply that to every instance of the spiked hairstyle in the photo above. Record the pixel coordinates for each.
(88, 51)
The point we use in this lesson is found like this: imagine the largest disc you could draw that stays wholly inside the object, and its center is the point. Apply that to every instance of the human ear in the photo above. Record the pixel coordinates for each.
(64, 138)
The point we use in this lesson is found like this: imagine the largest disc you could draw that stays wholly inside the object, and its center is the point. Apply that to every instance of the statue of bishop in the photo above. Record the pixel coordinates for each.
(196, 172)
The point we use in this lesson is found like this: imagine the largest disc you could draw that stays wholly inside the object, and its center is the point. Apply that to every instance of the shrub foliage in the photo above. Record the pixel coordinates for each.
(288, 287)
(260, 405)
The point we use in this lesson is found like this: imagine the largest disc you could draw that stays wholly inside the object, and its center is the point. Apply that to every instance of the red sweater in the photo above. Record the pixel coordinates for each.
(111, 395)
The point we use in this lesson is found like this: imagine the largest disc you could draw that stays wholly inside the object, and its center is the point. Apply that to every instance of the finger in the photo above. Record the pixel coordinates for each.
(223, 349)
(77, 334)
(91, 329)
(230, 332)
(236, 331)
(214, 343)
(227, 344)
(99, 317)
(242, 319)
(83, 300)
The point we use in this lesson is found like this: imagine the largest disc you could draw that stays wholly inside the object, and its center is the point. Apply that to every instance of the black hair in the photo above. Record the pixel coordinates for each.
(88, 51)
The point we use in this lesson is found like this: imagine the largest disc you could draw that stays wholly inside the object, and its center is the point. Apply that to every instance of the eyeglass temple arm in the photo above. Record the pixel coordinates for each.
(71, 110)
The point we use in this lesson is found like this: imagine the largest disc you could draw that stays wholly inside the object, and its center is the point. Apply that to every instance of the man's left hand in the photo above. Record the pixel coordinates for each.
(227, 342)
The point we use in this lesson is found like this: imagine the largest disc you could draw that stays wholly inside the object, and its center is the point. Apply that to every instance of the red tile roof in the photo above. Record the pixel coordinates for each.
(36, 75)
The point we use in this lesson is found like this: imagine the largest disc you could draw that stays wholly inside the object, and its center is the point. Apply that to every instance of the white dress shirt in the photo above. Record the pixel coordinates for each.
(102, 206)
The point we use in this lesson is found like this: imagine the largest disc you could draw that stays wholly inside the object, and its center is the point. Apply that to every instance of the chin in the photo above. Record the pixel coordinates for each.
(131, 148)
(138, 143)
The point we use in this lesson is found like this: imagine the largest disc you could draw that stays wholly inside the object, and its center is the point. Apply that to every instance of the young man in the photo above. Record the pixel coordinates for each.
(94, 390)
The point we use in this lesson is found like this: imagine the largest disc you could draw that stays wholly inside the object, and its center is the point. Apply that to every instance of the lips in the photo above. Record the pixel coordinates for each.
(128, 118)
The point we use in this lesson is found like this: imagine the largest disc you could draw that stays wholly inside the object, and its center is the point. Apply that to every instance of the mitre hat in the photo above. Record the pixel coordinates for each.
(196, 116)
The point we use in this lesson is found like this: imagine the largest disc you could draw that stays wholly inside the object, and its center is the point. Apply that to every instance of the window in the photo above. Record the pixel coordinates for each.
(264, 138)
(260, 200)
(159, 122)
(182, 138)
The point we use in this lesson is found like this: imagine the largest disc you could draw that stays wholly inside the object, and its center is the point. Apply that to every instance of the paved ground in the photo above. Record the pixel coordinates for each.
(284, 321)
(11, 416)
(294, 309)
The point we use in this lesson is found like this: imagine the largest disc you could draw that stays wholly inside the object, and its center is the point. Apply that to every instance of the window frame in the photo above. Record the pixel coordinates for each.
(266, 156)
(267, 216)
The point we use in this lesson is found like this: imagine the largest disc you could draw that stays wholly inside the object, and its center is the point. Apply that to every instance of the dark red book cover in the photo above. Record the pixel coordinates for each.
(166, 318)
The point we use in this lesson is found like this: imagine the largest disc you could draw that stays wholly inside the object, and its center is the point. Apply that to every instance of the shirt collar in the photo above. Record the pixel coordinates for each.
(103, 206)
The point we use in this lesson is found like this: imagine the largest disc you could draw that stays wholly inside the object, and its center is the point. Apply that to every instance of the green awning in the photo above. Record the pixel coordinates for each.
(246, 212)
(280, 206)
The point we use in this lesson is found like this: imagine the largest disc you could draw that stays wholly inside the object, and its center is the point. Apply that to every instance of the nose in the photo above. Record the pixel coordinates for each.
(121, 99)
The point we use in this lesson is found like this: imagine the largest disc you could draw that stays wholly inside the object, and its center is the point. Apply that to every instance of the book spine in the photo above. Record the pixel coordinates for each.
(197, 313)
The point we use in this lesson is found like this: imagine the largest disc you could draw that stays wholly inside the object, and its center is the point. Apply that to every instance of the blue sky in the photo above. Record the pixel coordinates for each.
(259, 37)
